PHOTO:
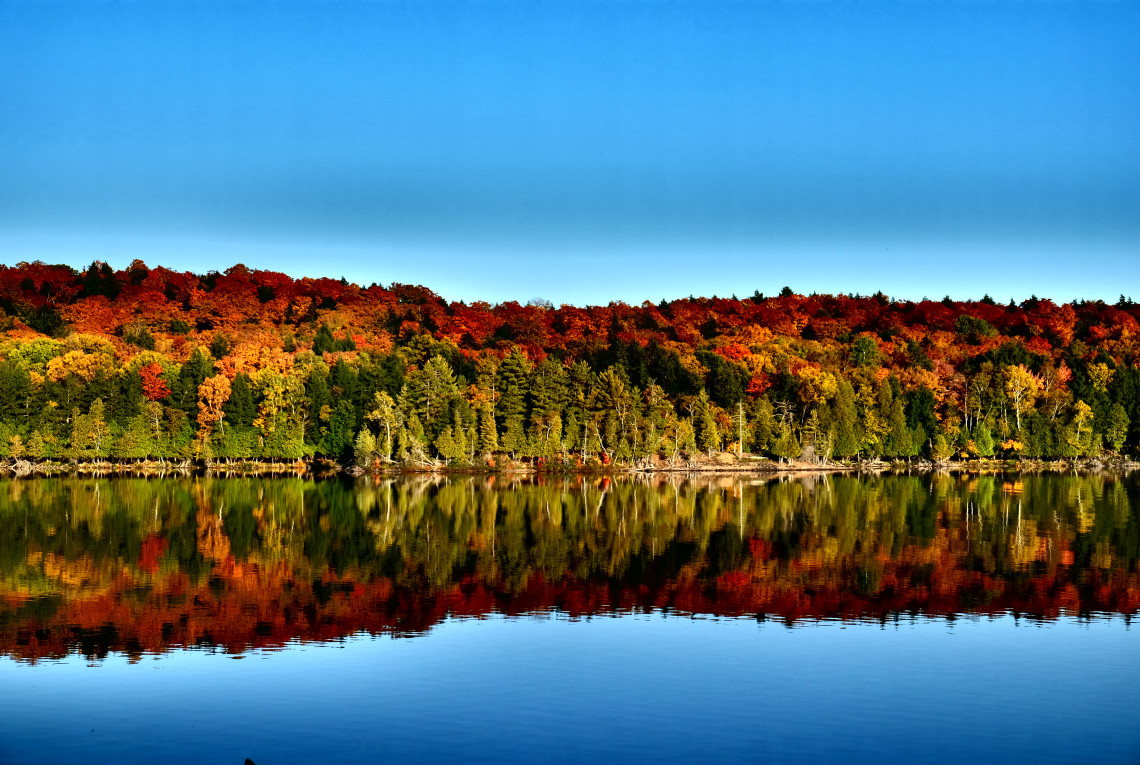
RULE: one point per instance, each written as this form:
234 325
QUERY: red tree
154 387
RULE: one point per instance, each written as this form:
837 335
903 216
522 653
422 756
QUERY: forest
152 364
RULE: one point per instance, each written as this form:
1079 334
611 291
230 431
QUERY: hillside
152 363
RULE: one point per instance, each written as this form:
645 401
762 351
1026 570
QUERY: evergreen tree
90 436
898 443
15 389
319 404
338 440
785 445
763 425
184 389
324 342
983 441
917 442
514 437
846 417
459 435
36 449
488 435
240 408
135 441
431 391
512 381
126 398
708 433
581 382
548 389
447 446
941 449
1116 429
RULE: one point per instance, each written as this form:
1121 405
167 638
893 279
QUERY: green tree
898 443
983 440
136 441
785 445
548 389
512 381
430 390
514 437
488 435
447 446
846 417
240 408
1116 429
865 352
941 450
708 432
763 424
686 437
389 419
90 436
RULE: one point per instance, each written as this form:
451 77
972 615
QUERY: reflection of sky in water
634 688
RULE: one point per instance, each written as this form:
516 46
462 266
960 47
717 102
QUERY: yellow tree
1100 376
390 418
1022 387
212 396
1082 415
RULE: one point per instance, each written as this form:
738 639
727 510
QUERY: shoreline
323 468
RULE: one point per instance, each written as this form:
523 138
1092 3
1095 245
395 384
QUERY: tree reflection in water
138 566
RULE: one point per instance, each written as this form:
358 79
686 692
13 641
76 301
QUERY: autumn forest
151 364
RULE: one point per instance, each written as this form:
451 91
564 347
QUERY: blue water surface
625 688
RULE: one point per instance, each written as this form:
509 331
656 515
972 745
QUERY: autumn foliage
325 367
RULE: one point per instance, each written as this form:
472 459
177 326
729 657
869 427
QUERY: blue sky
583 151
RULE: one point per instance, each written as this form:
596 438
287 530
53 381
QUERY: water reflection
139 566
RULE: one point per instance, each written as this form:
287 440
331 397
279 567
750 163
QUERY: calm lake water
876 619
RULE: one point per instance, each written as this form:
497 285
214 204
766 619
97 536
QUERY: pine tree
846 421
941 450
898 443
240 409
135 442
488 435
446 445
784 444
90 436
36 448
548 389
512 379
184 392
1116 429
763 425
431 389
708 433
514 437
983 441
126 398
324 342
459 435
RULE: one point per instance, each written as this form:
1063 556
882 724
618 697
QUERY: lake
932 618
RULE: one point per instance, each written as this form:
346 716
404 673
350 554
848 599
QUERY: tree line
144 364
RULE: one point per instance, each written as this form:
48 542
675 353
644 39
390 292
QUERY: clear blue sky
583 151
